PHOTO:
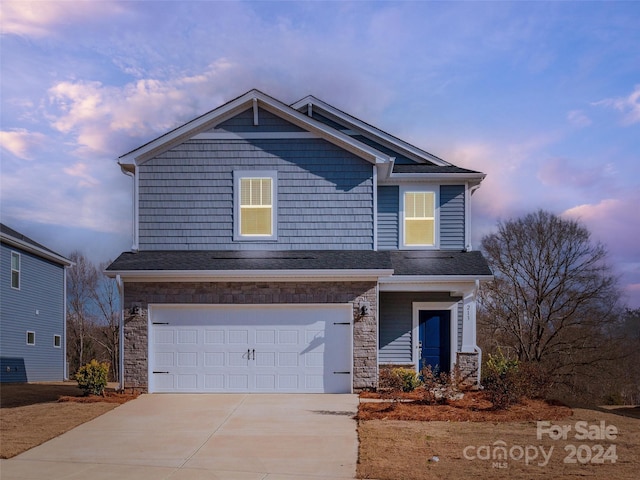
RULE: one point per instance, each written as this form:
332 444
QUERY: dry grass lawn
31 414
393 449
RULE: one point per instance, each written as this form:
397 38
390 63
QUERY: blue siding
268 122
452 217
388 217
396 322
38 306
325 195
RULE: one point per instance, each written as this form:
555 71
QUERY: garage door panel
251 348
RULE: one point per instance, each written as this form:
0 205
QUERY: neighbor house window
255 205
15 270
419 218
31 338
57 341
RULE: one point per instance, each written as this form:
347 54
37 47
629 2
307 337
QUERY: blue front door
434 337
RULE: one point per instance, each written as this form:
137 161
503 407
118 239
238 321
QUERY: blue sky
543 97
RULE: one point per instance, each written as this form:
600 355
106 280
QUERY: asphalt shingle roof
425 168
439 263
402 262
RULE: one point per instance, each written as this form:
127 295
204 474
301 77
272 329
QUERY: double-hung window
15 270
420 221
255 205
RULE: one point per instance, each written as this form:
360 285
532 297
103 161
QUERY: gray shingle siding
325 197
388 217
452 217
267 122
41 290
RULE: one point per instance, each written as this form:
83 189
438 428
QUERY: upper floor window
15 270
419 222
255 205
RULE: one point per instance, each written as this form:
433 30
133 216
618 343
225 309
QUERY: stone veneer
469 369
137 297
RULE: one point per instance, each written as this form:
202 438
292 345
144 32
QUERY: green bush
398 379
92 377
500 379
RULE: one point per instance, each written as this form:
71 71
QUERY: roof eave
27 247
379 135
248 275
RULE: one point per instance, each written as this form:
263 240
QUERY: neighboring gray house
294 248
32 310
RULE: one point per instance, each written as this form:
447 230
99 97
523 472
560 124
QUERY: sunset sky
542 97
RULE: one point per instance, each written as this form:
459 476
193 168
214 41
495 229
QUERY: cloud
629 106
42 18
98 116
578 118
613 221
21 142
561 172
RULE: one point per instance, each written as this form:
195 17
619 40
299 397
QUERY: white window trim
19 270
420 188
54 341
34 338
238 175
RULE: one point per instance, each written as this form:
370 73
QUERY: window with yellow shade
419 219
255 205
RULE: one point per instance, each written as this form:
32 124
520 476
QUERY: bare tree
554 299
92 315
82 280
106 300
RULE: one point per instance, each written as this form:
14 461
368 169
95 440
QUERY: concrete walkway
189 437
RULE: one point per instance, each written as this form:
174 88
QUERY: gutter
249 275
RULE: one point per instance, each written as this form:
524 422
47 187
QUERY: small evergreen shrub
501 380
92 377
394 380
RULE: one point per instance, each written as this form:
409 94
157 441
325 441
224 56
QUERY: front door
434 337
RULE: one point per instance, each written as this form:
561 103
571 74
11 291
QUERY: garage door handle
160 372
254 353
341 373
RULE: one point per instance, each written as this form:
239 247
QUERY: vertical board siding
41 290
267 122
325 195
452 222
388 217
396 323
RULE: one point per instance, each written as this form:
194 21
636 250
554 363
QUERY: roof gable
312 106
254 101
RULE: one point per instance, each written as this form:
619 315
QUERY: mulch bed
473 407
108 397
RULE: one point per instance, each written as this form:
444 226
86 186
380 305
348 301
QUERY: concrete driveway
188 437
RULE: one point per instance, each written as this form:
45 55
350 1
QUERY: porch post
469 322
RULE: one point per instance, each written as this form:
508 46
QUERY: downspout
65 367
476 347
120 285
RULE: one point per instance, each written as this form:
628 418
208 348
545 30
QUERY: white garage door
250 348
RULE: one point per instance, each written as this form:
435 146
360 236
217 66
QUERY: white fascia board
451 178
460 284
248 275
27 247
364 128
208 120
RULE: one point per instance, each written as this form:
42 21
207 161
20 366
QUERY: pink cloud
629 106
561 172
21 142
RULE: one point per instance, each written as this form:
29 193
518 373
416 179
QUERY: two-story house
32 310
294 248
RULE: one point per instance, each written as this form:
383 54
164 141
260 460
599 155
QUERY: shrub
92 377
500 380
394 380
440 386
